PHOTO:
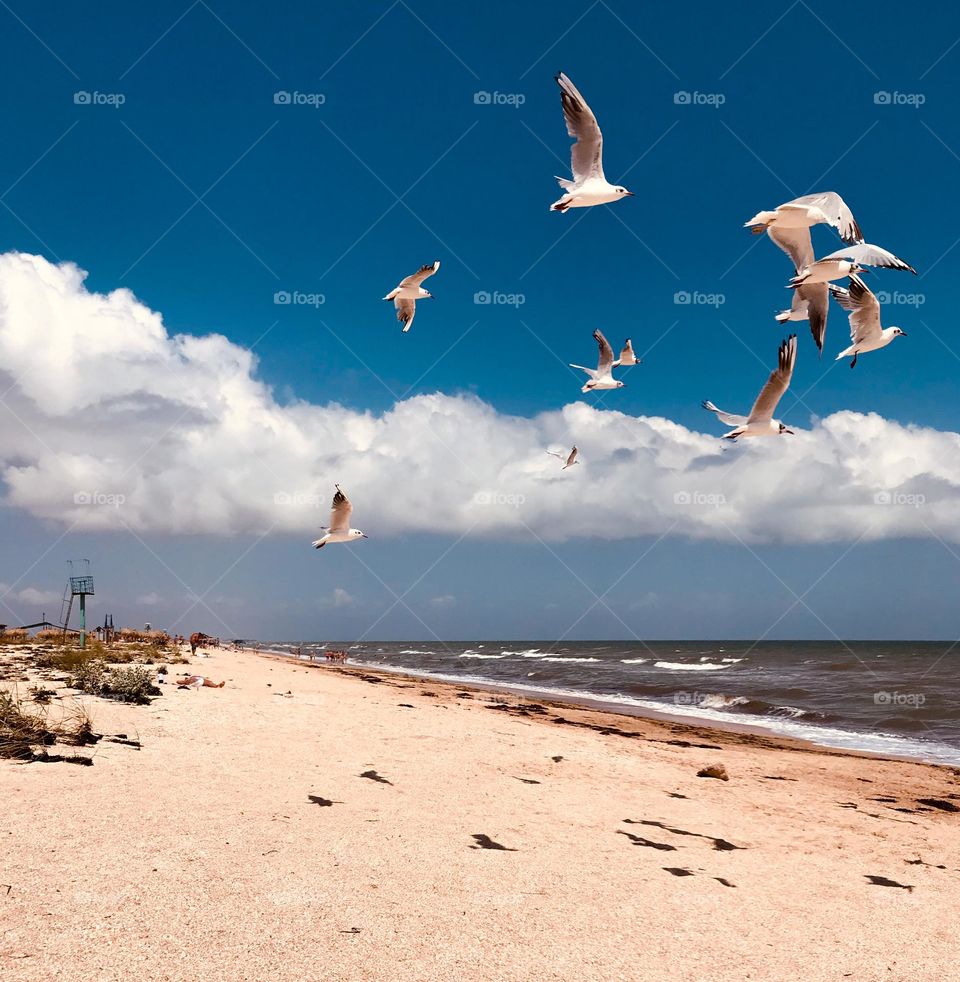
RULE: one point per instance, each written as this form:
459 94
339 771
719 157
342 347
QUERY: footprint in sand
485 842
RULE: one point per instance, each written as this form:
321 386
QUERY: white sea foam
634 661
477 654
680 666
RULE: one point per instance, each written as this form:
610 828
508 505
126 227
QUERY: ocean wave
759 707
566 658
477 654
680 666
634 661
526 653
722 702
413 651
731 661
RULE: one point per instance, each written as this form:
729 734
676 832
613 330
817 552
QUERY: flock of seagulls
788 226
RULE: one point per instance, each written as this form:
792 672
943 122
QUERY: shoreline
352 824
599 704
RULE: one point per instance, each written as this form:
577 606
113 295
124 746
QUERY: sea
894 698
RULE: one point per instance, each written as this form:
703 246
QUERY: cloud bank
108 421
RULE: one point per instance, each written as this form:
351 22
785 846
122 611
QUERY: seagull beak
903 333
365 536
629 194
785 430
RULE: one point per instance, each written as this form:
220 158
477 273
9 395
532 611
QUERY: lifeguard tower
79 584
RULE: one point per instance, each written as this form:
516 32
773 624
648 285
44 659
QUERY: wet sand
312 822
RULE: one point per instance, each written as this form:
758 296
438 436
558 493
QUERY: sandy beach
311 822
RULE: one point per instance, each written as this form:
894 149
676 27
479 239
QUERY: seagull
406 295
339 530
627 355
760 422
589 186
601 377
569 460
827 207
811 302
850 259
865 330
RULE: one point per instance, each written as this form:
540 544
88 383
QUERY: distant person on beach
197 682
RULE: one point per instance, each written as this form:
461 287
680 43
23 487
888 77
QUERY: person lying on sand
197 682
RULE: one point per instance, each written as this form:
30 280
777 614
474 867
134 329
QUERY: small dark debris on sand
726 883
714 770
944 806
639 840
374 776
883 881
485 842
322 802
528 780
678 871
405 705
557 759
777 777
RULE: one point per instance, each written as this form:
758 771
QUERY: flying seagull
811 302
760 422
865 330
589 186
827 208
601 377
627 355
569 461
339 529
406 295
849 259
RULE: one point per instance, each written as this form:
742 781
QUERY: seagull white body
846 261
811 301
568 459
339 529
826 207
409 291
760 422
602 376
589 187
866 332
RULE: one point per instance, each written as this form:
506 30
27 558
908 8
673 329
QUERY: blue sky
205 197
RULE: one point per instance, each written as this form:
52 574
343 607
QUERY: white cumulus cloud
111 421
